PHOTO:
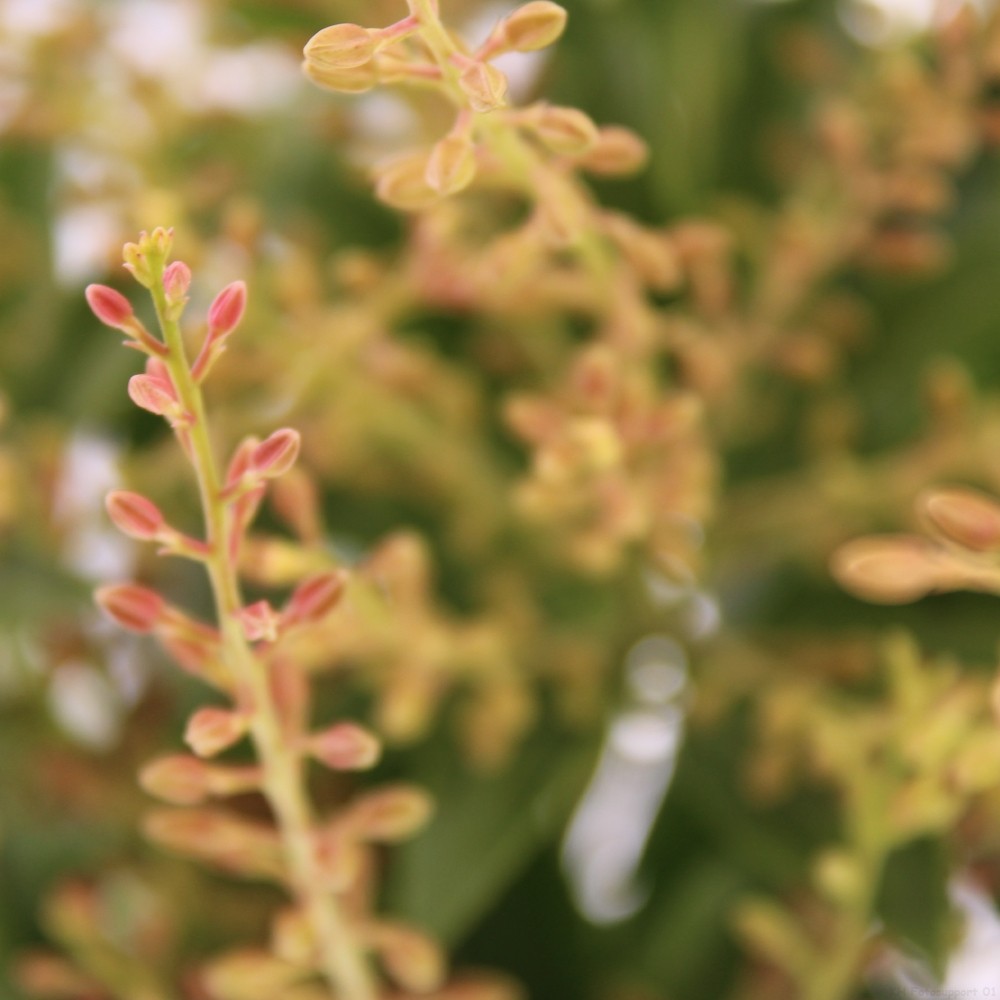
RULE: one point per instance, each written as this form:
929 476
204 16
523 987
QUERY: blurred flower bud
293 938
346 746
136 608
314 598
211 730
178 779
109 306
390 813
403 183
964 516
340 46
412 959
343 81
134 515
616 151
889 569
452 165
177 281
484 85
276 454
248 974
259 622
227 310
152 394
533 26
564 130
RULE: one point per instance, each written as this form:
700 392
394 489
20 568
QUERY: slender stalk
343 962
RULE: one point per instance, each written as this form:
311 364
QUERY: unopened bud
346 746
340 46
314 598
391 813
617 151
249 974
403 184
226 311
342 81
177 280
888 569
211 730
533 26
178 779
259 622
452 165
109 306
134 515
136 608
276 454
564 130
484 85
152 394
964 516
412 959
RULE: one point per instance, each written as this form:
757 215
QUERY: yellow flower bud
964 516
341 46
403 184
616 151
484 85
533 26
452 165
564 130
355 80
889 569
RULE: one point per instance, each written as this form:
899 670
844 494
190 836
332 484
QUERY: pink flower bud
134 515
211 730
178 779
346 746
177 280
109 306
226 311
276 454
149 393
315 598
259 621
136 608
390 814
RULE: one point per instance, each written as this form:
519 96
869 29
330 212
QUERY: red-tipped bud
211 730
346 747
314 598
109 306
226 311
177 280
134 515
149 393
178 779
276 454
390 814
136 608
259 621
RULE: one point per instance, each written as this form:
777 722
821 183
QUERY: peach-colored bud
241 462
403 183
484 85
136 608
965 516
249 974
178 779
276 454
346 746
149 393
412 959
109 306
259 621
226 311
177 280
340 46
314 598
452 165
342 81
293 937
617 151
391 813
889 569
564 130
211 730
534 26
134 515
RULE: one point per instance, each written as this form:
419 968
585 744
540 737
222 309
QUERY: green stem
343 962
